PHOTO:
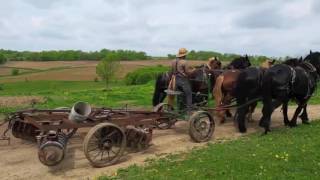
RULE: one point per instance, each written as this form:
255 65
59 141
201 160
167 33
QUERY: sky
160 27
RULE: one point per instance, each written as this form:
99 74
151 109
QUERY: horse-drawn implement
111 130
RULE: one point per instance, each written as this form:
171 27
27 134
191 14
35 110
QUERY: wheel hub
107 144
202 125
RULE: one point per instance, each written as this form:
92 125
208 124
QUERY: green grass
283 154
66 93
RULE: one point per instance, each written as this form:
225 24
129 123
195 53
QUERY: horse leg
228 113
285 113
266 114
293 122
240 115
218 97
252 107
162 96
304 116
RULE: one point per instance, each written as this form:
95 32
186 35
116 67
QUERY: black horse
241 62
248 91
248 88
284 82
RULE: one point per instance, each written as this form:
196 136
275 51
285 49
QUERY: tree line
68 55
205 55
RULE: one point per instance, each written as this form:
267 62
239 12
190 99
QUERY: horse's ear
246 56
310 51
273 61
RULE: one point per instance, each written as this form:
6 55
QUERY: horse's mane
238 62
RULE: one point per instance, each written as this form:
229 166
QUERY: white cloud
275 27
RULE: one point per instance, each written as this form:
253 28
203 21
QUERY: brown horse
223 91
163 80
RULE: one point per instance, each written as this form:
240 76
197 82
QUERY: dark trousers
183 84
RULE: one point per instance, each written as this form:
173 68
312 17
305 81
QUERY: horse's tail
217 90
159 86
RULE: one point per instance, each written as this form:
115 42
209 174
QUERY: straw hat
182 52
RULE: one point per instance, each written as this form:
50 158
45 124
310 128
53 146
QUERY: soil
19 160
73 70
20 101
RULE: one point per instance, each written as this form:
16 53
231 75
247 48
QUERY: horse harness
307 69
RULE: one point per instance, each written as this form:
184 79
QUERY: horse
283 82
248 90
241 62
228 87
198 77
225 83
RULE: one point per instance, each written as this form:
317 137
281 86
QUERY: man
181 71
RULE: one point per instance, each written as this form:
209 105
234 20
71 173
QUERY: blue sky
159 27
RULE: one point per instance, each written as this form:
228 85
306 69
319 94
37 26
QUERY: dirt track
19 160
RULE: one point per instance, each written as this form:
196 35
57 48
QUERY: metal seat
172 92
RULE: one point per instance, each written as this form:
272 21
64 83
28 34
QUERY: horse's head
241 62
293 62
214 63
314 59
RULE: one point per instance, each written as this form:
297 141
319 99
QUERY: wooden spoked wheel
104 144
201 126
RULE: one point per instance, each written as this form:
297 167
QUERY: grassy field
66 93
283 154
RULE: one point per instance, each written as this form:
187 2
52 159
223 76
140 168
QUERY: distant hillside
126 55
70 55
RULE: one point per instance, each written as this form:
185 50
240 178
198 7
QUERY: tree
107 67
3 59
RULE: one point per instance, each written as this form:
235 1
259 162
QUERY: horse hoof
262 124
228 114
306 122
266 130
243 130
293 125
286 123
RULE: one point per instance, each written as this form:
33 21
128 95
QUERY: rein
235 106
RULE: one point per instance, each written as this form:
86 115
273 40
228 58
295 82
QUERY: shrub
14 72
144 75
3 59
96 79
107 67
